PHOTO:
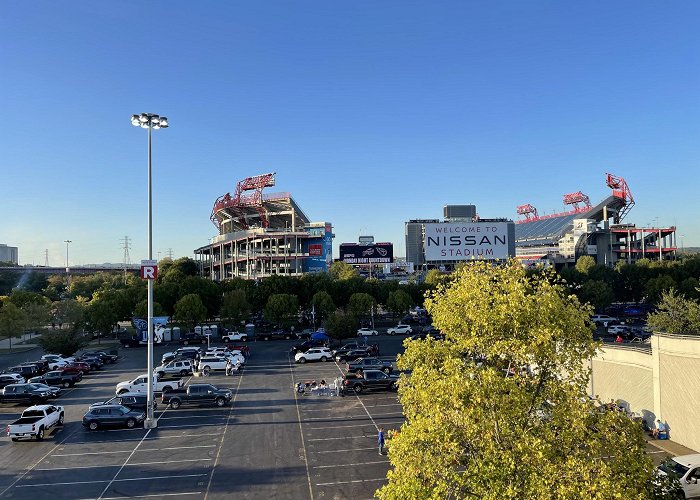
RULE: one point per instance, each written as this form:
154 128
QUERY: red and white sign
149 269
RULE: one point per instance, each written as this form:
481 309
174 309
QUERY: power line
127 258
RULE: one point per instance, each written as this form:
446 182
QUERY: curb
20 350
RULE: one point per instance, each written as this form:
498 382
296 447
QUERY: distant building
262 235
9 254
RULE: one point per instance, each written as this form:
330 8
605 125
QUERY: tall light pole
67 266
150 121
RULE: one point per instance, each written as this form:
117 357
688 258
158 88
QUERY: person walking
380 440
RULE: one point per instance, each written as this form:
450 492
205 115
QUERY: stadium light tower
150 121
67 242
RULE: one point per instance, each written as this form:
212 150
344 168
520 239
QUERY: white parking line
342 451
124 464
190 417
178 436
129 451
343 437
151 496
353 481
151 478
127 465
301 432
345 417
348 426
354 464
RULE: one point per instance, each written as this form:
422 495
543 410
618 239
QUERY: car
369 380
344 355
84 367
42 366
191 353
56 361
57 378
10 378
27 371
35 421
234 337
71 369
93 362
362 364
305 346
351 345
604 319
400 330
181 367
366 332
314 354
53 391
131 342
193 338
305 334
277 335
25 394
106 357
216 362
686 469
197 394
112 416
132 400
618 329
140 384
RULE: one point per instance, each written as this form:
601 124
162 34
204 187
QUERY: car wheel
183 373
324 359
302 360
123 391
15 439
357 388
244 339
386 370
175 404
220 402
93 426
130 423
40 434
61 418
65 385
167 388
186 342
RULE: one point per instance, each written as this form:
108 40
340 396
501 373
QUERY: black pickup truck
369 380
28 394
364 364
197 394
277 335
57 378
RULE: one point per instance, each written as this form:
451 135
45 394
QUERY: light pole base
150 423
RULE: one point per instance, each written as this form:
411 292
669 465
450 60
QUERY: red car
84 367
72 369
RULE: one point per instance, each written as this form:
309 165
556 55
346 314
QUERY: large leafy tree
281 308
63 342
361 304
236 307
342 271
676 314
399 302
323 305
499 410
190 310
13 321
341 326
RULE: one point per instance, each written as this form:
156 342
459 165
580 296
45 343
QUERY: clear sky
370 112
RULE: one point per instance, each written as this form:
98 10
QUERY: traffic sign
149 269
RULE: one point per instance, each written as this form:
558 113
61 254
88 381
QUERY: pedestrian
380 440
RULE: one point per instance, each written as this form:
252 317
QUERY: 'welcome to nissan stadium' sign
466 241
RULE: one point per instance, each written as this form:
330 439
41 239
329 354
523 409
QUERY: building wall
9 254
663 382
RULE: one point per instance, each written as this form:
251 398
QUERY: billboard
141 327
466 241
379 253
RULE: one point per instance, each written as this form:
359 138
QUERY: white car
400 330
181 367
56 361
140 384
617 329
687 469
314 354
366 332
234 337
234 356
603 319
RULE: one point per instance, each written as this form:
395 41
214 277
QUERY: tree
281 308
585 263
323 305
141 309
63 342
597 293
341 326
361 304
399 302
190 310
499 410
38 314
342 271
655 287
236 307
13 321
676 314
433 277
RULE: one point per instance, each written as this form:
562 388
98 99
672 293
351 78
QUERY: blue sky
370 112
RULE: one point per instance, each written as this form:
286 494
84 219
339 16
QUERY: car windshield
673 467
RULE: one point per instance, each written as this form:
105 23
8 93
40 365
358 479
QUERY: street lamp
67 267
150 121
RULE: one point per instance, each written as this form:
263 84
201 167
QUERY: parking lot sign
149 269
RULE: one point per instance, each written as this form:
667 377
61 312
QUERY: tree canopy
500 408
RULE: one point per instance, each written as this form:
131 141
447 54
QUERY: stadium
596 230
262 235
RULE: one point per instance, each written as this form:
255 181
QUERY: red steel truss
234 204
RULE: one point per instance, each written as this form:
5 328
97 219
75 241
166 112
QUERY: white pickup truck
35 421
140 384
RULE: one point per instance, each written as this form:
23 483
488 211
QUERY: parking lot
270 443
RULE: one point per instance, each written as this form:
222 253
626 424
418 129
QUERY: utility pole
170 253
127 259
67 242
46 257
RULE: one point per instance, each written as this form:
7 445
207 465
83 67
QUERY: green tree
499 410
597 293
236 307
341 326
342 271
655 287
585 263
141 309
38 315
69 312
361 304
433 277
676 314
20 298
323 305
63 342
399 302
190 310
13 321
281 309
